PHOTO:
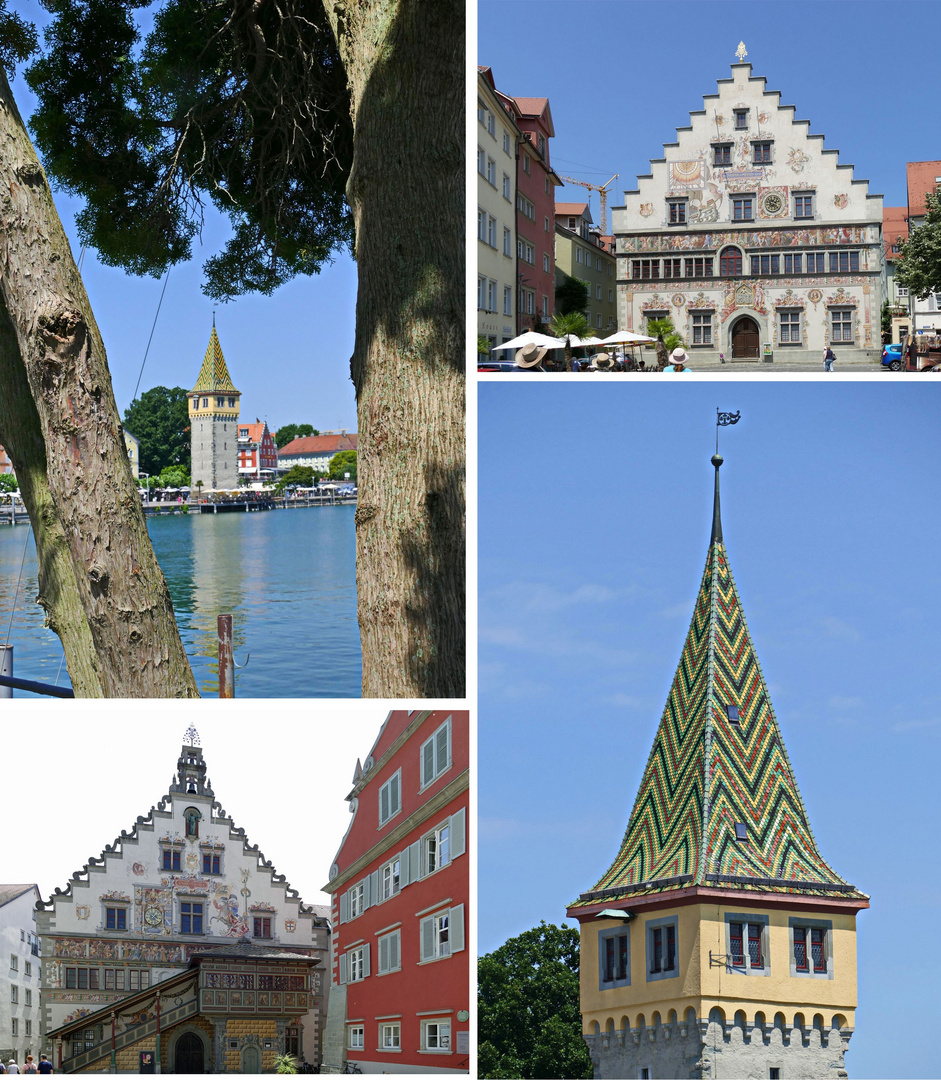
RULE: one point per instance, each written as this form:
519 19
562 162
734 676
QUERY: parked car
497 365
892 357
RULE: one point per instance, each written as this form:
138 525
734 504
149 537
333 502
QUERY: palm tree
667 337
572 323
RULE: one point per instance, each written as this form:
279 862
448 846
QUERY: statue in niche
192 816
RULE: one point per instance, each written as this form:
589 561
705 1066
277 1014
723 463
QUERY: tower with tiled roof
719 942
214 417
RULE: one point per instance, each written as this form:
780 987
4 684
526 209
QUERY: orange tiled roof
894 225
576 208
319 444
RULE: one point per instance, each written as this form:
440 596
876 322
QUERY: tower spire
716 516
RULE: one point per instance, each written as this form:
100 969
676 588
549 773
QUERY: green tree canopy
571 294
8 483
919 263
297 476
342 463
242 105
529 1018
293 431
567 325
173 476
159 419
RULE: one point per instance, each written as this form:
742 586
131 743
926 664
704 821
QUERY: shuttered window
442 934
390 949
390 797
436 754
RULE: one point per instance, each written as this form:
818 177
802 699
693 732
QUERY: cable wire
151 338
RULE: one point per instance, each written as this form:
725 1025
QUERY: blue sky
288 353
595 508
622 75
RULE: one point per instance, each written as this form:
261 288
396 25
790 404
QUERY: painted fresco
686 175
153 910
803 237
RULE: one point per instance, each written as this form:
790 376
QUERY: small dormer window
741 831
732 712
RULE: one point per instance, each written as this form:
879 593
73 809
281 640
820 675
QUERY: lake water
288 577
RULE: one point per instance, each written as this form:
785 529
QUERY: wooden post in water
226 658
6 668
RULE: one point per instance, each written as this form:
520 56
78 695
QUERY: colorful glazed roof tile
710 774
214 375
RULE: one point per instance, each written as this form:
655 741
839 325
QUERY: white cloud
838 629
915 725
838 702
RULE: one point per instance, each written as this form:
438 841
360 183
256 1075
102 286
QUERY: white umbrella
541 341
625 337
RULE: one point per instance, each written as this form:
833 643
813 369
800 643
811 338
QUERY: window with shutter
390 802
436 754
389 949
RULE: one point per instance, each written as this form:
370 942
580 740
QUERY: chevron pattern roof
707 773
214 375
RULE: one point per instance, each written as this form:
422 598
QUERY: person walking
828 358
12 1066
30 1066
45 1065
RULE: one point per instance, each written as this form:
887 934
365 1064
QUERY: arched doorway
188 1056
251 1060
745 335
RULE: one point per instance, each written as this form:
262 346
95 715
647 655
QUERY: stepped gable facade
214 416
719 941
180 943
752 237
400 888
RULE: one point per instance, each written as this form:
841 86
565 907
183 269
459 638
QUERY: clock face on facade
773 203
153 917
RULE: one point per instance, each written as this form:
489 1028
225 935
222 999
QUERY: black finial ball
717 460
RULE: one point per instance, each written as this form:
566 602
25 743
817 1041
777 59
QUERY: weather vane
191 736
741 52
723 419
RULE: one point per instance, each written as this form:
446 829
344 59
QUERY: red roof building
924 177
315 450
400 888
258 453
6 466
535 210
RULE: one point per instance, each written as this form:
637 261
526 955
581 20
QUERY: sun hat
529 356
678 356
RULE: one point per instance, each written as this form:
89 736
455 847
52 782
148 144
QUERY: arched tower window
192 817
730 262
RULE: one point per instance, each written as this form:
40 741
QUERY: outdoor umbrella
625 337
541 341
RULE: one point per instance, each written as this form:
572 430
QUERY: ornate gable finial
192 736
741 52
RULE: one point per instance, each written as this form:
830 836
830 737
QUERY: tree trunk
404 61
99 582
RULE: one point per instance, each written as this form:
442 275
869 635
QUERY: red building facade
257 450
535 211
400 885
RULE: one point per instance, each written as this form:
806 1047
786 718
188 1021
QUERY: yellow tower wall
702 986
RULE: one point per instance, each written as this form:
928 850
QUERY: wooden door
189 1054
745 340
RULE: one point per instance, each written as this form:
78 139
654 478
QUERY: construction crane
602 191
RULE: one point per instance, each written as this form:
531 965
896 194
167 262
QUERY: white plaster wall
17 918
491 262
74 933
844 215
